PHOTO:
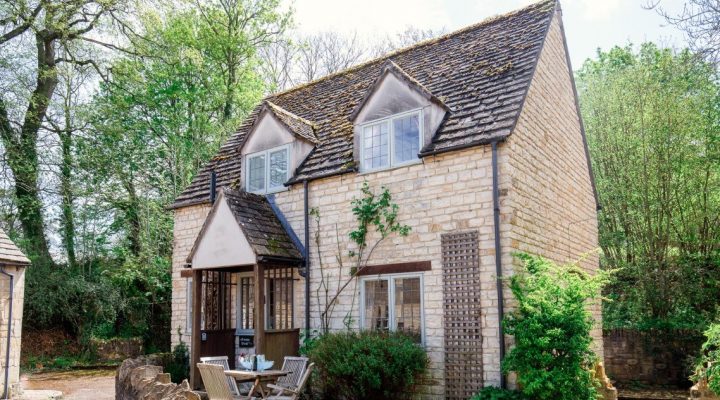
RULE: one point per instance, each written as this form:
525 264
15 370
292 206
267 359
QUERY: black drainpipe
213 186
498 259
9 333
306 189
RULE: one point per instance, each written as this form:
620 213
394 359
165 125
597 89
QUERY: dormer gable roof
392 68
298 126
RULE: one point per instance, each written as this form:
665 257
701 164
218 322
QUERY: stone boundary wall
142 378
650 357
117 348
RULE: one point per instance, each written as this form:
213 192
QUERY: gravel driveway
75 385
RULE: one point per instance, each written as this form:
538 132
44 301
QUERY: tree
651 117
700 20
303 58
49 26
551 326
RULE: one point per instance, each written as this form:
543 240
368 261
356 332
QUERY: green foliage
186 79
376 211
493 393
551 326
179 365
366 365
709 363
652 121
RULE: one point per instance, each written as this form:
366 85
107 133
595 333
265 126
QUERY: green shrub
179 365
709 364
366 365
493 393
551 325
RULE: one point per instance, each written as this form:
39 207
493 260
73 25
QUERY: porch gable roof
254 228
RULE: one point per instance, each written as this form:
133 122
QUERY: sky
589 24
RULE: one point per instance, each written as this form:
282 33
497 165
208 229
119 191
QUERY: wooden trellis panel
463 321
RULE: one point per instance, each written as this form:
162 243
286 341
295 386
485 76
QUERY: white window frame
392 323
391 140
266 153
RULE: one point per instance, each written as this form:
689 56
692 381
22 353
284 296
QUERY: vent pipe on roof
213 189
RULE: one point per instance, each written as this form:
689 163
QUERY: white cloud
369 16
599 9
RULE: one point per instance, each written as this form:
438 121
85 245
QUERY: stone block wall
18 298
444 193
650 358
188 222
546 172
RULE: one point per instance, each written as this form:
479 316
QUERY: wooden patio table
258 377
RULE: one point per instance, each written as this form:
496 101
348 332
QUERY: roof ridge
422 43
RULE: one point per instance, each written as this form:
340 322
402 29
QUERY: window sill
394 167
265 193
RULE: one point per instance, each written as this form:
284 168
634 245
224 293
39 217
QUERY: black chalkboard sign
246 341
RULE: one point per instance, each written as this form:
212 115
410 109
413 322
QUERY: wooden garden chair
214 379
223 362
284 393
295 367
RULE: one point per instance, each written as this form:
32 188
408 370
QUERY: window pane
406 132
407 307
256 173
376 305
246 316
278 168
279 298
376 146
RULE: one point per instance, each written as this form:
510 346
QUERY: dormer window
267 171
391 142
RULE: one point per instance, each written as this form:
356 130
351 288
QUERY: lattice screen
461 299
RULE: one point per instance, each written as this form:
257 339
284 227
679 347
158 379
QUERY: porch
243 268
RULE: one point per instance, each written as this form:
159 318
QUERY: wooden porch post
259 309
195 342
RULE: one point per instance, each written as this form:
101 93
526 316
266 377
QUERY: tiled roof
261 226
10 253
481 73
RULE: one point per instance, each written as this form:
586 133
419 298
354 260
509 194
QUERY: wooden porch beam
195 380
259 272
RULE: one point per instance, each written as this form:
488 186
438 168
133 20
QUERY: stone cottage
12 287
478 137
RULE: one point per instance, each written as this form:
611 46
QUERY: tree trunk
21 149
66 194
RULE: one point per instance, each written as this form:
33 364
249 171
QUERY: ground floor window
393 303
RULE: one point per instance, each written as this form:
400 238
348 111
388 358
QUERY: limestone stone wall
188 222
445 193
544 168
18 297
